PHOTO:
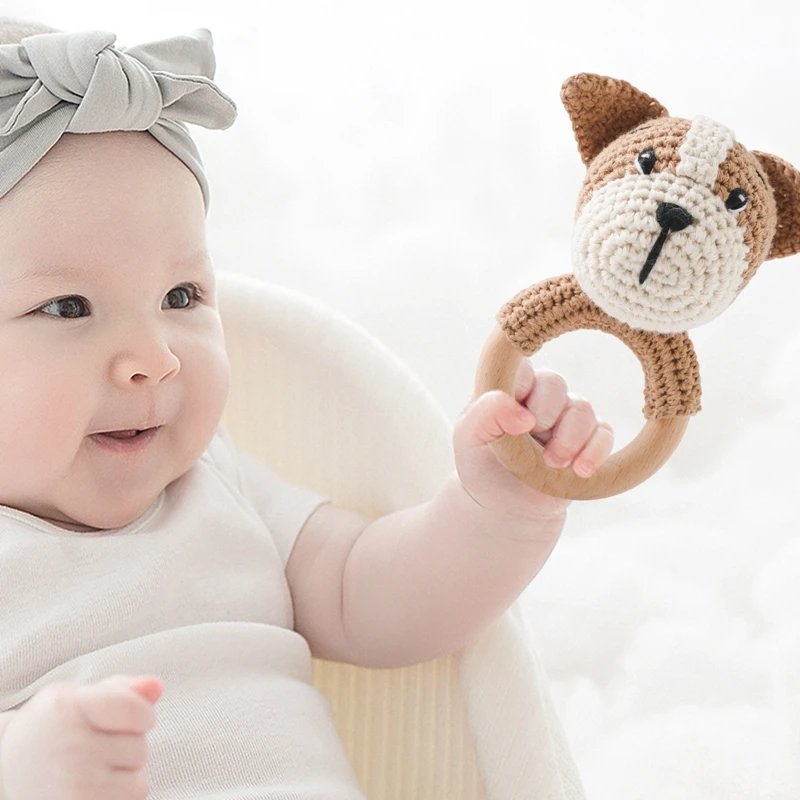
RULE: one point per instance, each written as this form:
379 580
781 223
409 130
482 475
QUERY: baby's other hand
81 742
564 423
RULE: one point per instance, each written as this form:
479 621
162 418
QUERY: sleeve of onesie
283 506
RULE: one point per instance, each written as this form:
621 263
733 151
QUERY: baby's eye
182 296
66 307
645 161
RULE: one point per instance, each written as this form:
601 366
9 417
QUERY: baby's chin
99 518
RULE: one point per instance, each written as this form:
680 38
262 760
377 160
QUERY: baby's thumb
147 687
109 706
489 417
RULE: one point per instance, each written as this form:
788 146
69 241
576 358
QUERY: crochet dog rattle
673 219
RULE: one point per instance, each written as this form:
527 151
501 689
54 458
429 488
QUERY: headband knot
54 83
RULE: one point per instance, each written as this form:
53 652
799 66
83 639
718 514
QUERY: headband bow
54 83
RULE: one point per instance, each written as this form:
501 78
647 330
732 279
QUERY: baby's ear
602 109
785 182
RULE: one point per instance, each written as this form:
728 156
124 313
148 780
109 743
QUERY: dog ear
785 182
602 109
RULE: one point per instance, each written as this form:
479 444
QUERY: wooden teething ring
672 388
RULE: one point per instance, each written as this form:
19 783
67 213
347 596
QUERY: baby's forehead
79 150
113 161
109 192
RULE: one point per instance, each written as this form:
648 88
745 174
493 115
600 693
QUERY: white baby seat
326 405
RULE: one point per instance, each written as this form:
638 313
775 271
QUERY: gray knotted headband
54 83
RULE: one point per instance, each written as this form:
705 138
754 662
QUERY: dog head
674 216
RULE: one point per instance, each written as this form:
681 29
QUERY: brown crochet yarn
558 305
759 220
785 182
602 108
617 159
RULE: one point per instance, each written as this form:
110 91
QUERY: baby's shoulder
283 506
239 468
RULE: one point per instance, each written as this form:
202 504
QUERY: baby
161 591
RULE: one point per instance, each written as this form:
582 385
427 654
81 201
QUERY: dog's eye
737 200
645 161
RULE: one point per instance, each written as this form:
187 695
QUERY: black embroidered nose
672 217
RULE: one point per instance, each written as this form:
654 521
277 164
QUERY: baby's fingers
545 394
491 416
116 706
572 433
596 451
124 751
148 688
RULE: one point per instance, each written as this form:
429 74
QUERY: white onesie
193 592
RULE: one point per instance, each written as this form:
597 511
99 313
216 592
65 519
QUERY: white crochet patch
705 147
698 272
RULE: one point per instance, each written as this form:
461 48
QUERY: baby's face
101 246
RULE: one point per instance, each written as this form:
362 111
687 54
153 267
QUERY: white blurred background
410 164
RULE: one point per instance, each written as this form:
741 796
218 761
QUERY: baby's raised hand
80 742
565 424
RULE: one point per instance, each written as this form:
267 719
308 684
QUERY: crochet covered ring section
672 387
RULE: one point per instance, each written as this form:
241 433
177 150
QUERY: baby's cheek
204 362
43 417
205 374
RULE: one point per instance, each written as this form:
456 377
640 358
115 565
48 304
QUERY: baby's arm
423 581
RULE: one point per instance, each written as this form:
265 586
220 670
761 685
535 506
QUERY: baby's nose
149 359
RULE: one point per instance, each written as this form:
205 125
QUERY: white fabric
327 405
193 592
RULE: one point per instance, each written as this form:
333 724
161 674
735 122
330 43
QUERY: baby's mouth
130 440
129 434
